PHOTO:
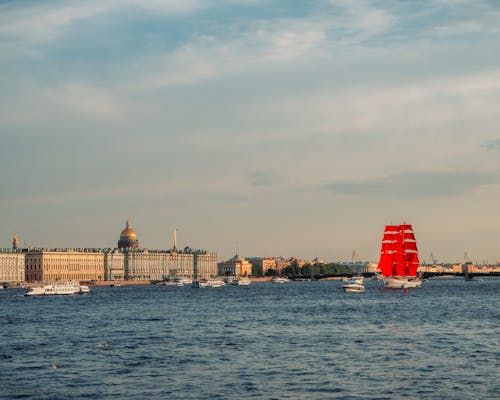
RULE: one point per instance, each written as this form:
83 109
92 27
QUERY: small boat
213 282
279 279
244 281
84 289
182 281
353 286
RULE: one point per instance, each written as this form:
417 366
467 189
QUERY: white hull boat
353 288
58 288
241 282
279 279
208 283
354 285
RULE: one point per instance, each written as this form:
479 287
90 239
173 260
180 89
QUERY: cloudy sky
271 127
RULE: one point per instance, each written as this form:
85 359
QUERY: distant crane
432 259
355 258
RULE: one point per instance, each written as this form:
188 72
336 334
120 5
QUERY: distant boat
213 282
58 288
354 285
182 281
279 279
243 281
399 258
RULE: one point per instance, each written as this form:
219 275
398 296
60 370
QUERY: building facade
64 265
114 265
205 264
12 266
236 266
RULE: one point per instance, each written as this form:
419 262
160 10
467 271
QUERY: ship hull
401 282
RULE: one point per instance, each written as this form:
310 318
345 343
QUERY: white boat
353 286
84 289
354 279
182 281
244 281
279 279
35 291
213 282
58 288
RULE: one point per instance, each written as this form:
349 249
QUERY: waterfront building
114 265
148 264
11 266
263 264
133 263
64 265
282 263
236 266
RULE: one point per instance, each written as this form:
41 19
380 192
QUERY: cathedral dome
128 238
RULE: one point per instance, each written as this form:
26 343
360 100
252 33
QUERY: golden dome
128 238
128 233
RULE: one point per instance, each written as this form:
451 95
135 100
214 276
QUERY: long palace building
125 262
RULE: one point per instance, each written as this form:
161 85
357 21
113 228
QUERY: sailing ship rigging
399 257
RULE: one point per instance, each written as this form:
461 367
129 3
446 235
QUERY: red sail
399 253
410 246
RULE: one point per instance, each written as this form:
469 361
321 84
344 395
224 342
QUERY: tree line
307 270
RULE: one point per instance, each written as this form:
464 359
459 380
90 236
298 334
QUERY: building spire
127 224
174 249
15 242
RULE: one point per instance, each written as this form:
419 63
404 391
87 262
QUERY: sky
263 127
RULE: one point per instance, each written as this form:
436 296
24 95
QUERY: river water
300 340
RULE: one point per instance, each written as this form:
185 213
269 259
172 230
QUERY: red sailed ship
399 257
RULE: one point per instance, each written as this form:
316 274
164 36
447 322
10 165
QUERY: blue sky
277 128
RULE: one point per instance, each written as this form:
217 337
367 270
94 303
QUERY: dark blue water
301 340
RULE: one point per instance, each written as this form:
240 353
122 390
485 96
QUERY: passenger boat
58 288
399 258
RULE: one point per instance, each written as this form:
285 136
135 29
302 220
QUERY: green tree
257 270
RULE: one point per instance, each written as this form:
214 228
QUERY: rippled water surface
301 340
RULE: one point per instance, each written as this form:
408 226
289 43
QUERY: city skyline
263 127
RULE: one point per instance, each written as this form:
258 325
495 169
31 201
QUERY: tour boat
399 257
58 288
